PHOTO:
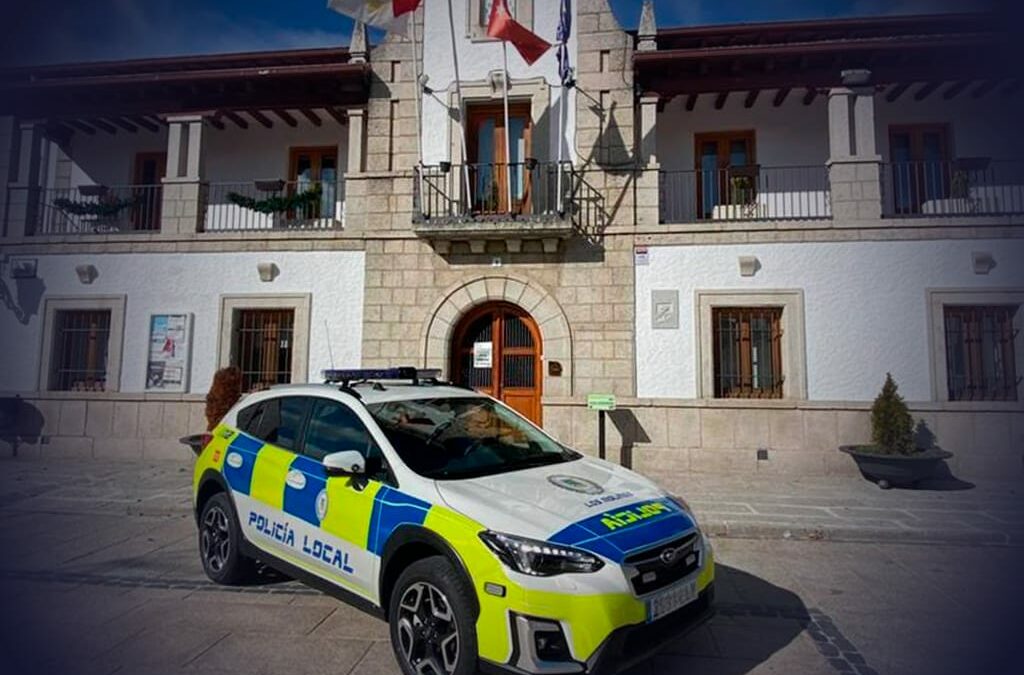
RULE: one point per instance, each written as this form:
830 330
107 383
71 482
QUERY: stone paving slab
761 507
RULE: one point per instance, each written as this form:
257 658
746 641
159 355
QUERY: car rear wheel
432 622
219 543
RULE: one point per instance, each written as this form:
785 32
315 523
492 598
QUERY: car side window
281 421
249 418
334 427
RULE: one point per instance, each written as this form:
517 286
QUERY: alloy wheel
427 632
215 539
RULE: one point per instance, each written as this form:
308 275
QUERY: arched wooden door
496 349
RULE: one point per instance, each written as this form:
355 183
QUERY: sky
51 31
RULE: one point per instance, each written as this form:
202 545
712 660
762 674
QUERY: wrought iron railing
966 186
529 189
89 209
745 193
273 205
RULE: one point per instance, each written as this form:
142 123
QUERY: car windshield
453 438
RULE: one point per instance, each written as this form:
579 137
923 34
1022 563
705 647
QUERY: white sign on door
483 354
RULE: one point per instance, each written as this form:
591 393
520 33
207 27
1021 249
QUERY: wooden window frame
475 112
971 316
299 303
744 317
724 187
115 339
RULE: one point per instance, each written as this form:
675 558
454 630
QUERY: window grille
81 342
263 344
747 352
980 359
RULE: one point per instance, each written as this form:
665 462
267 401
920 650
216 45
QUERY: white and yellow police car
485 543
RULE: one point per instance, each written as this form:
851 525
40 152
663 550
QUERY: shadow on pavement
754 620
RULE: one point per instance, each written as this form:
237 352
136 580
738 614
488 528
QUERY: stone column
648 202
183 187
855 168
24 175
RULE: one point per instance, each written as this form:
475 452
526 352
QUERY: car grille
649 571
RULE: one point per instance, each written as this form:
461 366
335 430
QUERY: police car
484 542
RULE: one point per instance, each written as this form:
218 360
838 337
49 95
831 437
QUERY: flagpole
508 128
561 143
458 100
418 89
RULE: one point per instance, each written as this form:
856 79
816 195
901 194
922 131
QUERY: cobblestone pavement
99 574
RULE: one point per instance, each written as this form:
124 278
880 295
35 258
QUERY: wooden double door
496 350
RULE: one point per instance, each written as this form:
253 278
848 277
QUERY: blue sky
71 30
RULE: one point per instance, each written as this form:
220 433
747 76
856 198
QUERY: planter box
888 470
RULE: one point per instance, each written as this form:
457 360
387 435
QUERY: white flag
387 15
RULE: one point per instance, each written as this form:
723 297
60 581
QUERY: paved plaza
99 574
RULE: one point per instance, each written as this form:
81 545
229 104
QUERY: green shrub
892 427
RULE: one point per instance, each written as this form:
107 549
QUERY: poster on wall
170 348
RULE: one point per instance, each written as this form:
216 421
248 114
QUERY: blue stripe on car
240 478
594 536
302 503
392 508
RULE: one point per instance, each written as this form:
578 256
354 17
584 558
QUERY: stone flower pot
889 470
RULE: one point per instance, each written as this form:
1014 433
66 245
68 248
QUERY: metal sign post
602 403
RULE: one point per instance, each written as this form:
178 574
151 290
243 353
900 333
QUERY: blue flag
562 37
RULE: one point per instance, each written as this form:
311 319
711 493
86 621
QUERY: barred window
81 344
262 341
747 352
980 360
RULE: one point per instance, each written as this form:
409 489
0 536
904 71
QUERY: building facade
737 230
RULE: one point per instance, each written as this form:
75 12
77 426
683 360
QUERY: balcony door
485 142
715 154
920 165
147 189
314 170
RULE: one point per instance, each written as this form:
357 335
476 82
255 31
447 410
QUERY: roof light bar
404 373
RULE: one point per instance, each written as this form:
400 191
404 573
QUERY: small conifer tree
224 393
892 427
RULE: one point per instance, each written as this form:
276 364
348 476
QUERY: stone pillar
855 168
183 187
356 140
24 175
648 201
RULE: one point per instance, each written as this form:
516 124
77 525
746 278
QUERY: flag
387 15
501 25
562 36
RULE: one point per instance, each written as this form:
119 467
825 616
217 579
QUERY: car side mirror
346 463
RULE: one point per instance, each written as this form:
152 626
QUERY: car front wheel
432 627
219 543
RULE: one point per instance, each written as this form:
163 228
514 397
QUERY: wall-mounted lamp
982 262
444 166
268 271
86 273
749 265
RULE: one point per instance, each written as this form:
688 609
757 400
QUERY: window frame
115 304
476 25
793 343
937 300
300 304
746 371
385 475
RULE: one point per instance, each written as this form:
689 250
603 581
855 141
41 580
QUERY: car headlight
539 558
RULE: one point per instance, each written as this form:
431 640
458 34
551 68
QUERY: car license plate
669 601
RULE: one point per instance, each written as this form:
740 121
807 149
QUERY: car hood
586 503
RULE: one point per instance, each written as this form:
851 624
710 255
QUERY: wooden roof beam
216 122
780 96
339 115
691 101
896 92
261 118
810 95
926 91
286 117
954 90
105 126
311 116
751 98
125 124
236 118
721 99
145 123
83 127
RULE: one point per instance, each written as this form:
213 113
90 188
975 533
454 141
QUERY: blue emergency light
344 376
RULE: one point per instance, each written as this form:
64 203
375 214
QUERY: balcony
745 193
273 205
90 209
975 186
471 202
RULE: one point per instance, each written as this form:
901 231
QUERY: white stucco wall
168 283
478 58
865 308
793 134
108 159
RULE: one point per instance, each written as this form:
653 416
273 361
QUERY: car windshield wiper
538 460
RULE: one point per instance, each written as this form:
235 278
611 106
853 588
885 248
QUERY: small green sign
601 401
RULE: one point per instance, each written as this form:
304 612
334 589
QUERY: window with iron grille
262 345
81 344
747 352
980 359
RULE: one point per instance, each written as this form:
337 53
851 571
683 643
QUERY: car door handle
295 479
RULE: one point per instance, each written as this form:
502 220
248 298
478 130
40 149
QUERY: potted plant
224 393
898 454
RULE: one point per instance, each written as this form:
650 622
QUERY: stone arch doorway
496 348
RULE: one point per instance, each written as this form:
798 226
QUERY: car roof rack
416 376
